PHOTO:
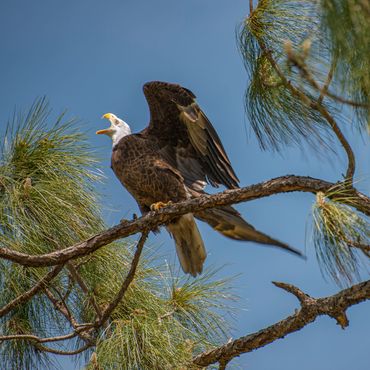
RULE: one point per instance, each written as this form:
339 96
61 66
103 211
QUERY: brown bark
334 306
152 220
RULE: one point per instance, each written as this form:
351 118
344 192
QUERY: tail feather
228 221
189 244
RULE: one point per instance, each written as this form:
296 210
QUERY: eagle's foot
158 205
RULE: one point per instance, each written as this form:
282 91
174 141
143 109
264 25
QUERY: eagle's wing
185 135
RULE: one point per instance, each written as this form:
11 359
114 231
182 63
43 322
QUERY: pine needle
336 228
347 24
48 201
277 116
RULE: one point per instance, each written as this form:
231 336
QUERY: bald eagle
172 160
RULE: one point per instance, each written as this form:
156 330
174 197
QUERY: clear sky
92 57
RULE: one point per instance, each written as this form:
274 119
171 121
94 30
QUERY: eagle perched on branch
172 160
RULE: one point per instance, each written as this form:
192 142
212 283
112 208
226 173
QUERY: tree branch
250 7
63 309
32 337
130 276
153 220
325 88
24 297
317 105
78 278
63 353
334 306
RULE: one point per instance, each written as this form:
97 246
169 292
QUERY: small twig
325 88
334 306
250 7
364 247
350 155
78 278
168 314
324 91
24 297
312 104
130 276
298 62
69 288
64 310
302 297
294 59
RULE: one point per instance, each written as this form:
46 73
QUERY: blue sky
92 57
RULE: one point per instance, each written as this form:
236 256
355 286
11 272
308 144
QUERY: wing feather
178 123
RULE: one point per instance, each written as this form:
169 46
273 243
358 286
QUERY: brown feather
177 121
227 221
189 244
171 160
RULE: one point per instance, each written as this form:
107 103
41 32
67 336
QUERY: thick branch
334 306
152 220
26 296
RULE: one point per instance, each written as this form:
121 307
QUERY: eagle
172 160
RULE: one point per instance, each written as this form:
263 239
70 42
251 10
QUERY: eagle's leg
158 205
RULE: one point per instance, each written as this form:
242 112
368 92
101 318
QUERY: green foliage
347 23
48 201
331 39
164 328
277 116
309 66
338 229
46 194
26 319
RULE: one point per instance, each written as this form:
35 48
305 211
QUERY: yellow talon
158 205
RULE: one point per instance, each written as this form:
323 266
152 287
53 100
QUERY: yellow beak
107 116
105 131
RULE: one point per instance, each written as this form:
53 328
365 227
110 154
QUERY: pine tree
48 202
70 286
308 64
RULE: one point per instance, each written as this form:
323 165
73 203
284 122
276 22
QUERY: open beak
105 131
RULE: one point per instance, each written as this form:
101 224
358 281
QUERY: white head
117 130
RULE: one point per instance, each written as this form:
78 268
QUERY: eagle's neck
122 131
